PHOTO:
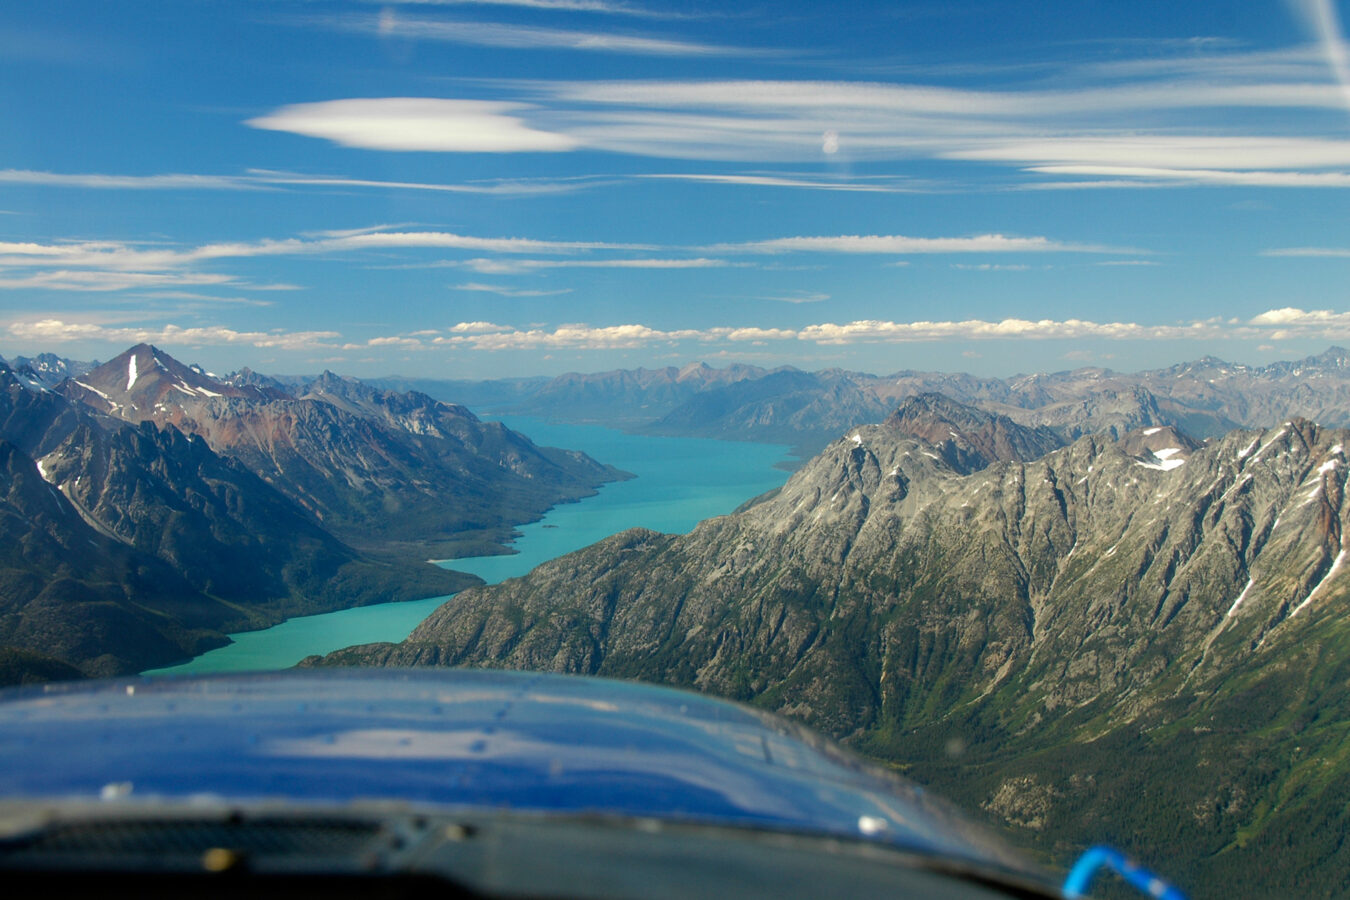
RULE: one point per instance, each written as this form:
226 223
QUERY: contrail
1325 21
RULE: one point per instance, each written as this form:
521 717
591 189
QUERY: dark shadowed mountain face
1010 635
134 546
384 471
75 601
216 507
229 533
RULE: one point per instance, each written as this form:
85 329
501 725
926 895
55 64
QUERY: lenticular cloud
416 123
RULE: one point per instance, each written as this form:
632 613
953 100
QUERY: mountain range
191 506
1142 624
807 410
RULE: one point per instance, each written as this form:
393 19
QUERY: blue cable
1076 885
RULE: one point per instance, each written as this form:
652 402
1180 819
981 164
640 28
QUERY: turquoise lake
680 481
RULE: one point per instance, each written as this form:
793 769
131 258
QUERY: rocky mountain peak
21 376
968 438
145 383
50 368
1158 447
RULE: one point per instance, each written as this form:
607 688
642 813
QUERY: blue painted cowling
464 740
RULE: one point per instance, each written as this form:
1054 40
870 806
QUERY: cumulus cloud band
1274 324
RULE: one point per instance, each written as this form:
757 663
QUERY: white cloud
573 337
200 300
896 185
89 266
516 266
499 187
135 265
1274 324
420 239
1134 176
84 280
416 123
477 328
176 181
1107 124
57 331
755 335
872 331
256 179
1325 23
1124 154
507 292
595 6
846 99
1333 252
391 24
633 336
1112 115
798 297
1293 316
406 343
903 244
1177 112
1291 322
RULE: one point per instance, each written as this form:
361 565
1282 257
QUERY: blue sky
509 187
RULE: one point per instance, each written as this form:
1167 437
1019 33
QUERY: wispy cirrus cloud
194 300
884 185
171 181
389 23
96 281
847 99
120 265
477 287
1093 122
485 266
1176 153
904 244
117 265
797 297
1327 252
1147 176
1156 122
256 179
582 6
1178 121
124 256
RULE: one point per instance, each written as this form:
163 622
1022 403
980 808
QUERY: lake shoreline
678 482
